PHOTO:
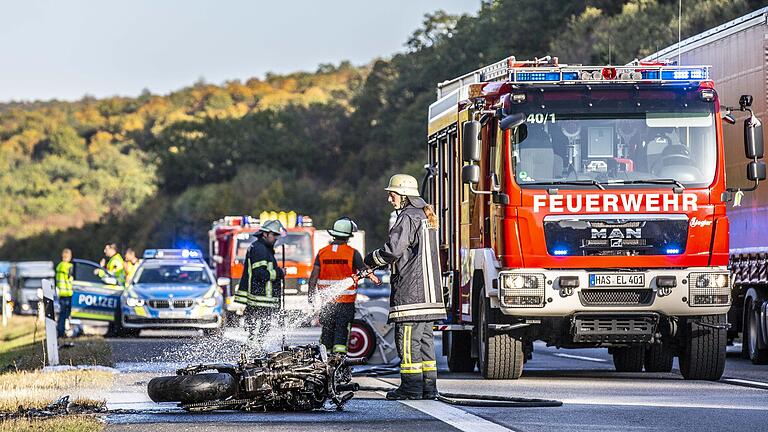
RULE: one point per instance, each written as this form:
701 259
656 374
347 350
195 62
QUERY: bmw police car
172 288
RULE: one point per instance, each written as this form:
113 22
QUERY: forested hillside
155 170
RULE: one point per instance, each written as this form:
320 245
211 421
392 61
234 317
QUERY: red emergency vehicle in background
230 237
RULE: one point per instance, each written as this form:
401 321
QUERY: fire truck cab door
94 297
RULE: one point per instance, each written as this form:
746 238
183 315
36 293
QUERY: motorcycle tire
192 388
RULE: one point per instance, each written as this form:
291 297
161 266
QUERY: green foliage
154 171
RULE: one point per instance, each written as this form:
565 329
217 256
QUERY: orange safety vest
335 265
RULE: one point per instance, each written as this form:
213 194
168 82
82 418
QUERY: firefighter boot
430 380
411 387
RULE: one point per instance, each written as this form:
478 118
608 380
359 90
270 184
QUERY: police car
172 288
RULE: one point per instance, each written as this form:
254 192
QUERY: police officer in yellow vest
115 264
64 277
261 286
130 265
333 263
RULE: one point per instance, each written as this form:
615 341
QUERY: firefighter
64 278
130 265
114 264
261 285
416 300
333 263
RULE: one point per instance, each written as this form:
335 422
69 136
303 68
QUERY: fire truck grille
635 328
616 297
166 304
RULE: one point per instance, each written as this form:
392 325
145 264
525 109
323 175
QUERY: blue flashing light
570 76
150 253
537 76
684 74
673 251
560 252
650 75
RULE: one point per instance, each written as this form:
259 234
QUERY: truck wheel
501 356
459 351
362 340
629 359
703 356
752 332
192 388
658 358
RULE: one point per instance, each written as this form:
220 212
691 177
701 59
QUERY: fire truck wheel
629 359
752 334
362 340
192 388
459 351
703 354
500 356
658 358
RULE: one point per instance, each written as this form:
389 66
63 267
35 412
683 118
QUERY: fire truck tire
459 351
703 352
658 358
752 334
192 388
501 356
629 359
362 341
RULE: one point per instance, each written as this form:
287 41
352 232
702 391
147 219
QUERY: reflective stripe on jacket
261 284
64 279
336 265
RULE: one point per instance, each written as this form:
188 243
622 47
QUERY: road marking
577 357
746 383
455 417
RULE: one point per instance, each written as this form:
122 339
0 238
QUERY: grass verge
57 424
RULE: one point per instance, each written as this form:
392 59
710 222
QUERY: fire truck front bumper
557 293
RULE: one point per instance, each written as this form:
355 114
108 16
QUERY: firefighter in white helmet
261 286
416 300
335 263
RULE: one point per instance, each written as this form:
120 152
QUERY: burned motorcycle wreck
299 378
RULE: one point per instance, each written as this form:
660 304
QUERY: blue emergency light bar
173 253
608 74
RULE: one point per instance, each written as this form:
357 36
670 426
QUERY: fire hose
482 400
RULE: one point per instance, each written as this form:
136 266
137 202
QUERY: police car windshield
616 138
298 247
156 273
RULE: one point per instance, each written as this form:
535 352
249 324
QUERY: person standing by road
114 264
130 265
261 286
416 300
64 278
334 263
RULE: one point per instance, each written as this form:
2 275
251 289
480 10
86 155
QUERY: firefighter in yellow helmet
417 299
261 286
334 263
64 278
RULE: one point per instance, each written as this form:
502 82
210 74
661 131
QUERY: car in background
367 290
172 288
27 284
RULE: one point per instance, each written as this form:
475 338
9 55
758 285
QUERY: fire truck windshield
607 140
298 247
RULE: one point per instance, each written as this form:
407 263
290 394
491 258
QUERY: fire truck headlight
709 289
134 302
522 290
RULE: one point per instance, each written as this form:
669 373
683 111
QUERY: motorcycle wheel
192 388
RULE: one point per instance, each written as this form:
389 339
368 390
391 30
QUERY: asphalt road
595 398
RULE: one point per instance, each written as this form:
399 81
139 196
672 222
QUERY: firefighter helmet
343 228
272 226
403 184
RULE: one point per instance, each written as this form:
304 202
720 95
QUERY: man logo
616 242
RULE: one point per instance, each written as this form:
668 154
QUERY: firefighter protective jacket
333 263
261 284
412 252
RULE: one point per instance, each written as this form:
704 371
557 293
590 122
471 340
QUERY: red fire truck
584 206
230 237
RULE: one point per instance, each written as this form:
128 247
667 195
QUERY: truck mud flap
614 328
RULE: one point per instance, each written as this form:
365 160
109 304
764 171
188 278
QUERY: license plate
617 280
172 314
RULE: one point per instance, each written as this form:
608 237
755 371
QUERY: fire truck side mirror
470 174
512 121
756 171
471 137
753 138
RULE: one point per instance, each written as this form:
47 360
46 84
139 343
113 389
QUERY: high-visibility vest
335 265
130 270
64 279
115 267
